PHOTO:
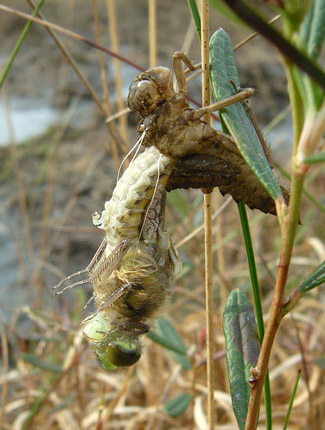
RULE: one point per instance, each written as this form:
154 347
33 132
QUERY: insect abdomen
124 213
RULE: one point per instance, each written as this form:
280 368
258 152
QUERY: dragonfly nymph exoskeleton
180 132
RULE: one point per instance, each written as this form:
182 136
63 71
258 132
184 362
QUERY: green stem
257 303
19 43
296 104
252 269
288 236
293 395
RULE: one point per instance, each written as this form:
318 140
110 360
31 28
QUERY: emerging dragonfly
135 268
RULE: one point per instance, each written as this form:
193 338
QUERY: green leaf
292 397
41 363
242 349
314 279
305 27
223 76
167 331
178 405
163 342
312 31
315 158
196 16
19 43
312 35
168 337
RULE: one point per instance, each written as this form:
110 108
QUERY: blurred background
59 161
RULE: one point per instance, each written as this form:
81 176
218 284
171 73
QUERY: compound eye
143 97
119 353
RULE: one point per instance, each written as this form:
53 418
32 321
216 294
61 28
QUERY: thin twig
71 34
152 33
201 227
112 129
113 28
206 100
103 73
251 36
106 102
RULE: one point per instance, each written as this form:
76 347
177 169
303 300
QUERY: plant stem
288 236
206 99
209 306
257 303
295 102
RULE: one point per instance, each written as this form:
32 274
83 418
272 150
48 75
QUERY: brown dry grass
56 183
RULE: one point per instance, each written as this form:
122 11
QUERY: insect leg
115 295
89 301
76 284
93 261
252 117
105 267
178 59
98 255
239 97
110 263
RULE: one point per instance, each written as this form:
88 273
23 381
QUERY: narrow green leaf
314 279
178 405
167 331
196 16
177 353
304 31
19 43
242 349
164 342
292 397
223 76
315 158
32 359
312 31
